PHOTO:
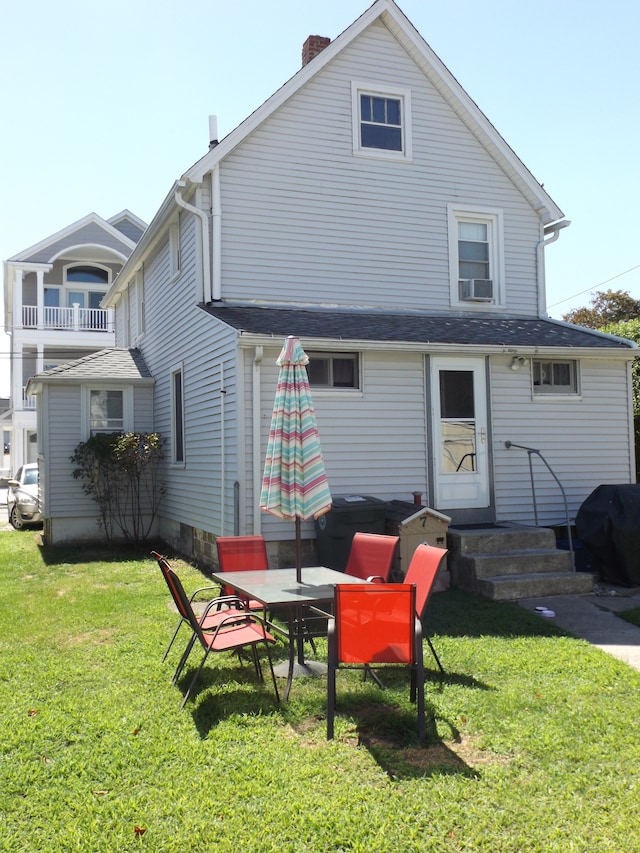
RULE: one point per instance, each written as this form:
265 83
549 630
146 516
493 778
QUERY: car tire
15 519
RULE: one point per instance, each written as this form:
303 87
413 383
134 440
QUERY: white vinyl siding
373 443
206 350
384 224
586 440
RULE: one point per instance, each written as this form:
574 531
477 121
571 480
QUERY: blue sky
104 105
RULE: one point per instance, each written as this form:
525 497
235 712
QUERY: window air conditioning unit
476 289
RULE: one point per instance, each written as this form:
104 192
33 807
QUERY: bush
120 473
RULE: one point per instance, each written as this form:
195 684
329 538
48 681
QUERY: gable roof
45 250
438 74
107 366
399 25
428 331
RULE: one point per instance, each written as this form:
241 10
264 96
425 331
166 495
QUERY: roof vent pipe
213 132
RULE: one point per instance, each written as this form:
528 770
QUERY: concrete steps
512 562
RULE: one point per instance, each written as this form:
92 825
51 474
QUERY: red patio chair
242 553
375 625
371 556
422 572
225 605
234 632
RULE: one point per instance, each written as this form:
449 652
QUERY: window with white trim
106 410
334 370
177 416
554 376
476 257
381 121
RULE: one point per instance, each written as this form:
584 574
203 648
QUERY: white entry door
459 423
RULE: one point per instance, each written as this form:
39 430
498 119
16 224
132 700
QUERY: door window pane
457 425
456 394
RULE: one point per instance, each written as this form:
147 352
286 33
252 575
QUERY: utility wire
589 289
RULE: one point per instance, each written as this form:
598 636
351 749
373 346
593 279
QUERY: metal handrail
530 452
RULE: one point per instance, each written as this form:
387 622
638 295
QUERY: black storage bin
608 524
348 515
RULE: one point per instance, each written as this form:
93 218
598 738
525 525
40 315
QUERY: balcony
73 319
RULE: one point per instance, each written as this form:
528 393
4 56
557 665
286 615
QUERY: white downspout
216 235
255 407
206 254
553 229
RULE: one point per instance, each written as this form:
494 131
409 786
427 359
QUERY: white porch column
17 401
17 299
40 279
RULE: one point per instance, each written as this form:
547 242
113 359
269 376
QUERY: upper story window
554 377
475 257
381 121
334 370
91 275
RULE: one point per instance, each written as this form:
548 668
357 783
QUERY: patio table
278 588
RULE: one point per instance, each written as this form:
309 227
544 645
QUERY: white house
371 209
52 294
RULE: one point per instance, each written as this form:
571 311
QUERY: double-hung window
475 257
106 411
381 121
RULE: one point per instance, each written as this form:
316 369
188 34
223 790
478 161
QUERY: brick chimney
312 47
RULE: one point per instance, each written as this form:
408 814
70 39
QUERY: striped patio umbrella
294 485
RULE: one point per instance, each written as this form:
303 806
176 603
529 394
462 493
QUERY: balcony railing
28 400
75 319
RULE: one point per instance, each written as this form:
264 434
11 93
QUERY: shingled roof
120 365
411 328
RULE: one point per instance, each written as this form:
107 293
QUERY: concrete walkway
592 617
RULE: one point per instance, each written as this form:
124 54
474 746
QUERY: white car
23 506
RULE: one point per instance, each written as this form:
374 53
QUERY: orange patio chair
422 572
371 556
235 631
375 625
223 603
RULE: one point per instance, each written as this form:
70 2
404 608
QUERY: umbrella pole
298 552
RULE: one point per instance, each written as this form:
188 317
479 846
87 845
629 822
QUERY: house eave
249 340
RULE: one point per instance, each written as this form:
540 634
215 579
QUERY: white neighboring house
371 209
52 296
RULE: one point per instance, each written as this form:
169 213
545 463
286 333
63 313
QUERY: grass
533 739
632 615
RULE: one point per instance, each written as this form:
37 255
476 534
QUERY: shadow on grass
456 613
99 552
389 733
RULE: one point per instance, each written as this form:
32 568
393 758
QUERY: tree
120 472
630 329
609 306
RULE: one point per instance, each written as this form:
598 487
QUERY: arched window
90 275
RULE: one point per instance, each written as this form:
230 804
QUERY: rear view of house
372 210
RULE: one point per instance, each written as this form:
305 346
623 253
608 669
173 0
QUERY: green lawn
534 741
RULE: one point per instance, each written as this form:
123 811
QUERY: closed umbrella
294 485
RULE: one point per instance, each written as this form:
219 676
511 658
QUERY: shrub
120 472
